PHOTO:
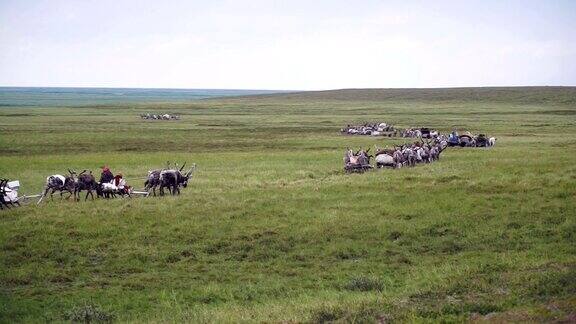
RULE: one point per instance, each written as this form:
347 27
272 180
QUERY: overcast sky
297 44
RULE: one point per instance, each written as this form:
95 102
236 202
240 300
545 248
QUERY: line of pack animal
406 155
109 185
466 139
149 116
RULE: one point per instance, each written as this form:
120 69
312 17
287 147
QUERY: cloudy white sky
298 44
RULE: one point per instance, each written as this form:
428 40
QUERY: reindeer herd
412 154
384 129
406 155
373 129
149 116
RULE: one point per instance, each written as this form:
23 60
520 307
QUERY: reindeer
364 157
106 190
465 141
60 183
86 181
173 179
384 158
492 141
435 152
441 141
409 156
153 181
398 157
357 162
425 152
117 186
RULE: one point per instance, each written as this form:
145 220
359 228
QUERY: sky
287 45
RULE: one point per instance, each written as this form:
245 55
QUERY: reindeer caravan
373 129
400 156
112 186
423 132
469 140
74 183
149 116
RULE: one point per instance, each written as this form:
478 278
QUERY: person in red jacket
106 175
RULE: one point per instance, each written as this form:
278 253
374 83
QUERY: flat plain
271 228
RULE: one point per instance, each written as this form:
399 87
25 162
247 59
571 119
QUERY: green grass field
271 229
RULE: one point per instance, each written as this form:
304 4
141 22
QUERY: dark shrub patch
364 284
188 254
438 230
216 248
210 298
363 313
394 235
514 225
60 278
555 284
451 247
468 308
172 258
327 314
89 314
349 253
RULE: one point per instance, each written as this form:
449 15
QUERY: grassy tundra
271 229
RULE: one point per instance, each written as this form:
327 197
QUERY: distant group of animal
423 132
384 129
405 155
373 129
149 116
414 153
387 130
469 140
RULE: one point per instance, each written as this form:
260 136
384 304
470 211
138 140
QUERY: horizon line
298 90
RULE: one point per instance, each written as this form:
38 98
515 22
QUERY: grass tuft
364 283
89 314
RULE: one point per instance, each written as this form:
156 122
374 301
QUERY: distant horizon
150 88
87 96
293 90
81 96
